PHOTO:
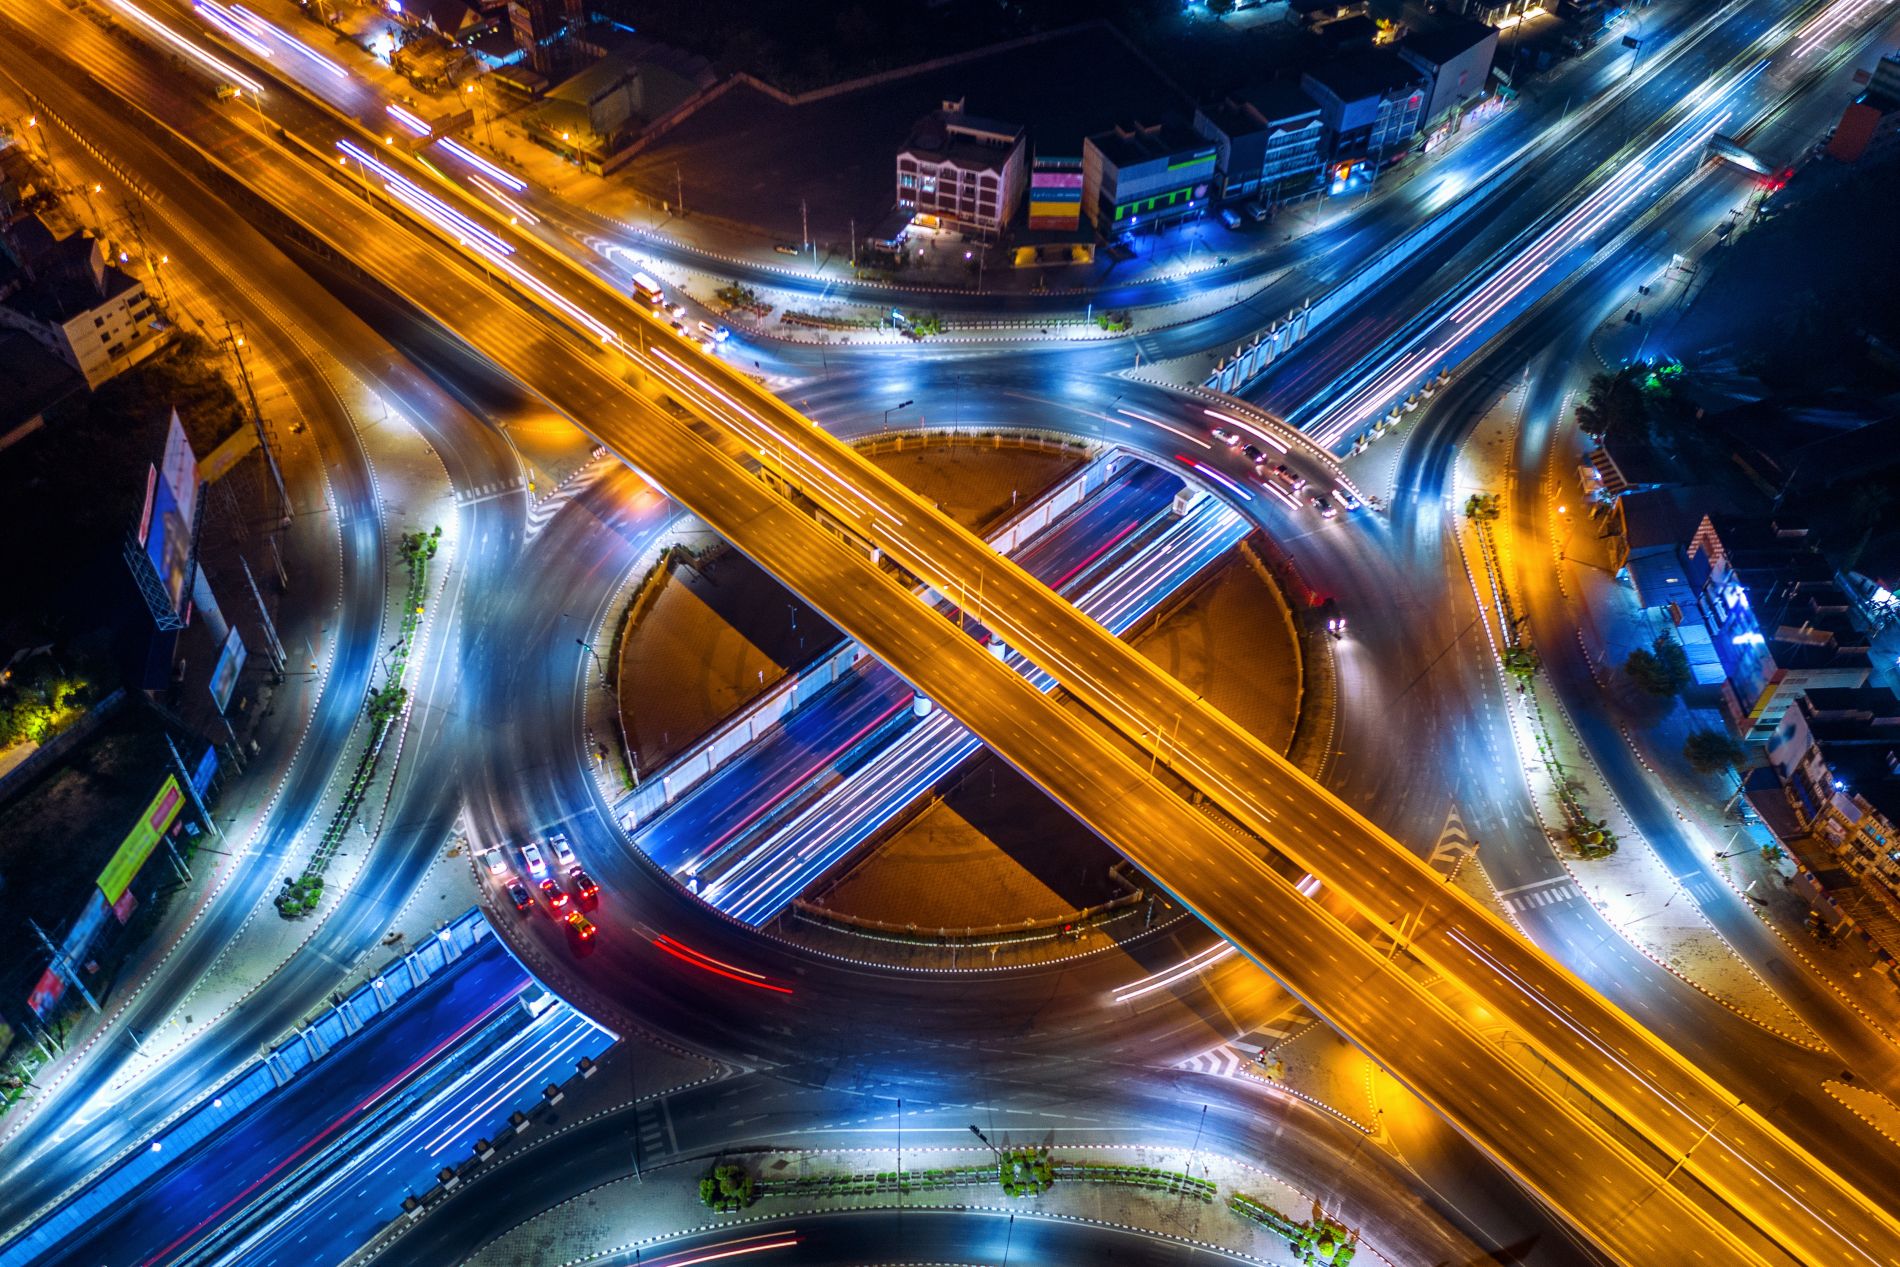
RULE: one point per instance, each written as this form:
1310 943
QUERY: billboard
143 838
171 505
206 771
230 663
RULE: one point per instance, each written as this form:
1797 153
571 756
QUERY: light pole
893 409
599 667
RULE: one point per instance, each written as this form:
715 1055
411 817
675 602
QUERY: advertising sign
138 845
206 771
225 675
124 907
46 994
171 505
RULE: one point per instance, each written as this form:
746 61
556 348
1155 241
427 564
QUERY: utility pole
197 802
679 190
273 645
135 219
234 338
62 963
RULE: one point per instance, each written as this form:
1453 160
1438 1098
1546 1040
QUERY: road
1156 728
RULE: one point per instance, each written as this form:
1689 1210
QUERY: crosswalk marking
1222 1062
1454 843
548 507
1543 895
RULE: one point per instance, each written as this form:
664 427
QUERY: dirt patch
721 631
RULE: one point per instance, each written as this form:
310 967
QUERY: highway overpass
1611 1128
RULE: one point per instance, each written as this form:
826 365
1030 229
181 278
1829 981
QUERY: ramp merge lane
1657 1158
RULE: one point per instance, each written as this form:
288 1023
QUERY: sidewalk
1631 887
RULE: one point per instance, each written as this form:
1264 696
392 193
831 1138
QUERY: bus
646 288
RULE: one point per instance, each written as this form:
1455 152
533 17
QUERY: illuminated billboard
171 505
143 838
230 663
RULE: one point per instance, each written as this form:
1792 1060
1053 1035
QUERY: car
1325 507
786 248
519 893
678 311
1256 211
1287 476
584 885
1229 217
706 345
497 863
679 327
1347 498
563 852
537 865
1226 437
580 926
1254 454
556 895
718 334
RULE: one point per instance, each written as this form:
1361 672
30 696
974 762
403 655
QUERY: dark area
58 832
1819 281
75 490
758 608
1038 834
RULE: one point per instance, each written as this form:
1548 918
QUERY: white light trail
482 165
1189 436
215 14
509 204
408 120
259 26
224 70
1248 427
1230 485
1181 971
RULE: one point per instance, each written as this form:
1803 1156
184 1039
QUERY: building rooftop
1652 519
970 142
1450 37
35 378
1375 73
1145 143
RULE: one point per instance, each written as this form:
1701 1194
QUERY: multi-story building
1779 623
1372 104
1269 142
61 291
966 172
1455 57
1055 189
1145 176
1835 757
1871 123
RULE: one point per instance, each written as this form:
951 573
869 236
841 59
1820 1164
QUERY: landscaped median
1192 1197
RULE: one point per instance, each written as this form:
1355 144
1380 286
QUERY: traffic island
1198 1198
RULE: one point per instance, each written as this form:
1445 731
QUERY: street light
893 409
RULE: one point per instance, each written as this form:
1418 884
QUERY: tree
1521 662
1712 752
1482 508
1613 406
1663 670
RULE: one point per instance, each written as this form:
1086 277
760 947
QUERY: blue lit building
1144 176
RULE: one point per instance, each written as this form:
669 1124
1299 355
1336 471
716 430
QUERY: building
38 383
1145 175
1834 804
1497 12
1646 532
1268 140
1870 124
90 314
1779 622
1371 104
1055 190
965 172
1455 57
538 26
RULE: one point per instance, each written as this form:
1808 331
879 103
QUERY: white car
1229 217
1226 437
497 863
563 853
718 334
537 865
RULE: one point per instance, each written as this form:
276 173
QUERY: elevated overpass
1611 1128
